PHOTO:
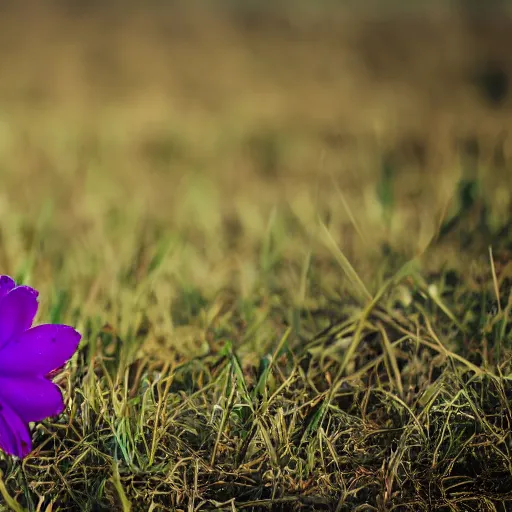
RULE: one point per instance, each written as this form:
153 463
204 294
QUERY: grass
285 304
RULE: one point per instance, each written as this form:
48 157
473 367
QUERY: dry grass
273 230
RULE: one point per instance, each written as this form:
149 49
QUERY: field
285 236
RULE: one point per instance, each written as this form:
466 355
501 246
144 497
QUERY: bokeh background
123 123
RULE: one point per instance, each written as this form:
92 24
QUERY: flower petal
32 399
6 285
14 434
39 350
17 311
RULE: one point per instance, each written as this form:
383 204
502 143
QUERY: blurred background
121 121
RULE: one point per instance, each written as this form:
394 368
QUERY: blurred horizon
270 103
70 52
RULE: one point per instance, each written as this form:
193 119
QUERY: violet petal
39 350
17 311
6 285
14 434
32 399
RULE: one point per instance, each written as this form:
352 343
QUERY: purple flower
27 356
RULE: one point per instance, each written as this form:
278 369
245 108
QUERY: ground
285 238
